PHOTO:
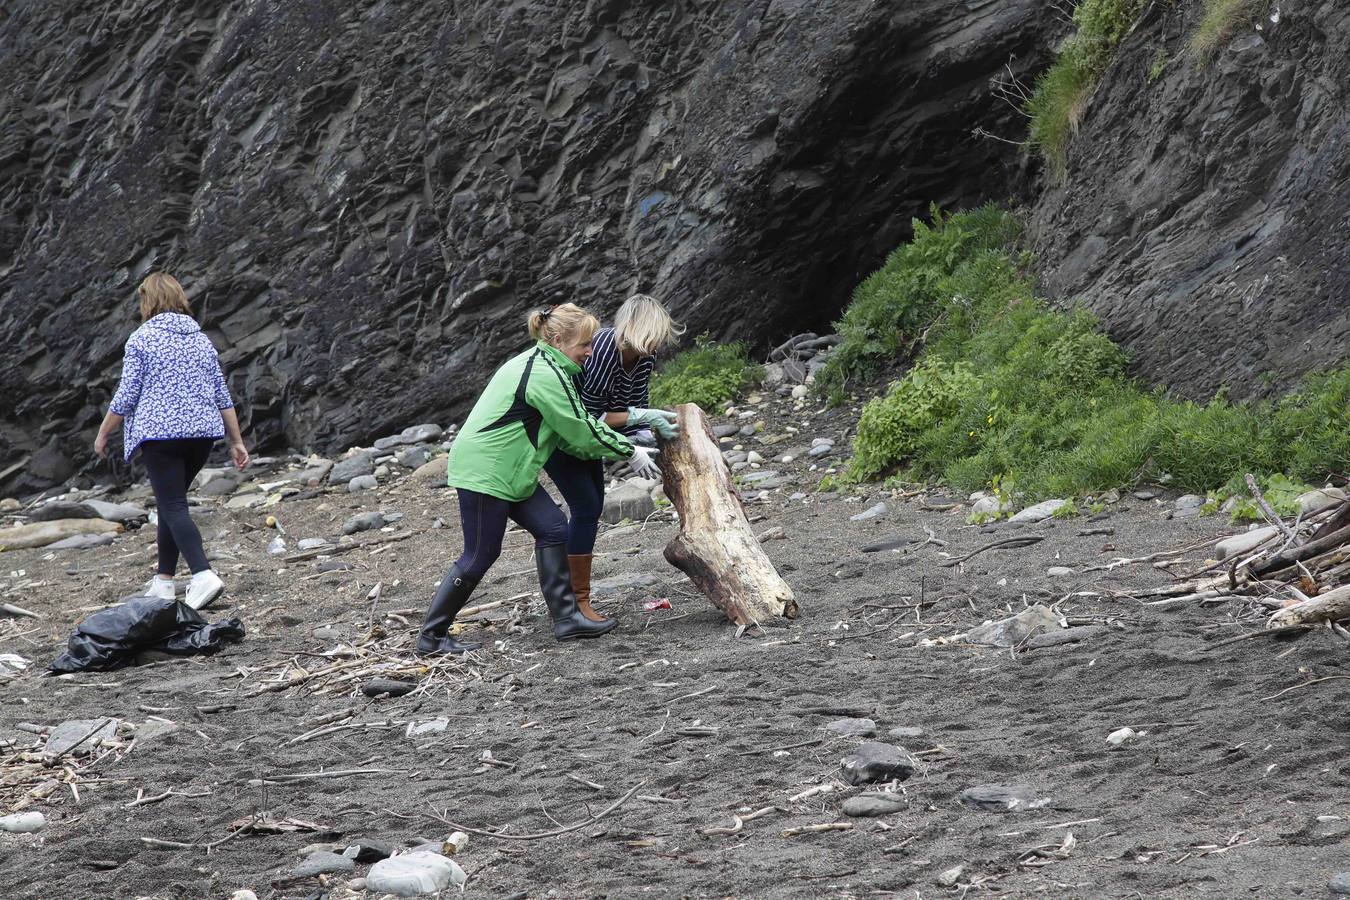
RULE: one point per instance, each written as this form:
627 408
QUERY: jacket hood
176 323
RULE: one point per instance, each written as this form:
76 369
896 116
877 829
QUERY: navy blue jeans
484 520
171 466
582 483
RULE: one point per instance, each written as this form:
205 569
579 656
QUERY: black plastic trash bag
111 638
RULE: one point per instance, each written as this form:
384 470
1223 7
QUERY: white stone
1040 512
1121 735
752 457
23 823
1312 501
412 874
1059 571
799 392
1239 544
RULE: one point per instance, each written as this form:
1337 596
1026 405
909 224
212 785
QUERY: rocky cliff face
1206 216
365 198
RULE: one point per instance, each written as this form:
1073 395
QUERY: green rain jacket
528 409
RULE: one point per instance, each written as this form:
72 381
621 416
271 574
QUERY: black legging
484 520
582 484
171 466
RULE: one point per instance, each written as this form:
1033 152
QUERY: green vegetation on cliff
1007 391
1061 94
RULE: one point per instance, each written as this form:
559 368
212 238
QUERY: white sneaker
159 588
203 589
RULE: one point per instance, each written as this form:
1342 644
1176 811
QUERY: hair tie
546 313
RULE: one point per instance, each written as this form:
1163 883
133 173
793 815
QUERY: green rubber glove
662 421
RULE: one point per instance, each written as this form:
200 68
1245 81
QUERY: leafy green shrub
1158 66
1060 95
1280 491
708 375
1008 391
1221 19
889 425
892 306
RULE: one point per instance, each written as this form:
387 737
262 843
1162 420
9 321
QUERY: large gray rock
1014 630
629 500
323 863
79 736
354 466
874 761
1039 512
412 874
1002 798
872 805
364 233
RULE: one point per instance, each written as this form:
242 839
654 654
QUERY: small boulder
412 874
433 472
1040 512
365 521
323 863
362 483
1239 544
1002 798
866 806
1014 630
412 457
10 505
362 463
23 823
853 727
79 736
393 687
1188 506
421 434
627 501
1316 501
873 762
1059 571
368 850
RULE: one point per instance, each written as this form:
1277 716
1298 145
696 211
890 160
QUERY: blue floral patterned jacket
172 386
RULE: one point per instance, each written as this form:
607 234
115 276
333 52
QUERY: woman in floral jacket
173 404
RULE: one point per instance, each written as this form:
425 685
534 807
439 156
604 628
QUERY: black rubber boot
454 591
555 581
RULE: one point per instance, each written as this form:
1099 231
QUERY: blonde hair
161 293
562 322
644 325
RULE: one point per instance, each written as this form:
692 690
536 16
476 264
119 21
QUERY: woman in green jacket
529 408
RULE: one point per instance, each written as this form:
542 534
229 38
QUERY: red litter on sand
662 603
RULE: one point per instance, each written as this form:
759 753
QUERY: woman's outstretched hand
239 453
665 423
101 445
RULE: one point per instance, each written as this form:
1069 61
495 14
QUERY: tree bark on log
716 547
1297 554
1328 607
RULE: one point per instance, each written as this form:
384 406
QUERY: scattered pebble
866 806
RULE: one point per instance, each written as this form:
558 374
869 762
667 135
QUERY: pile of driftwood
1301 572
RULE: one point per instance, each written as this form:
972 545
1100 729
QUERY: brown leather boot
580 565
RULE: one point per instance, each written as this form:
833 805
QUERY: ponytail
559 323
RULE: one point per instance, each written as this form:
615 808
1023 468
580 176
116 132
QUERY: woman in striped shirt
614 388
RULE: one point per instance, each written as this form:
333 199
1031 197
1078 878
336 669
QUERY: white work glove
663 421
643 465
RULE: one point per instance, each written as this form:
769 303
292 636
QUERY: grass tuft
1221 20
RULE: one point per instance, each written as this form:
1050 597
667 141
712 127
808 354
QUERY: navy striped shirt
605 385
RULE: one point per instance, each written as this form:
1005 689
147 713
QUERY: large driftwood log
715 546
1329 607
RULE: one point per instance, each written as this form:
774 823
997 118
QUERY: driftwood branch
716 547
